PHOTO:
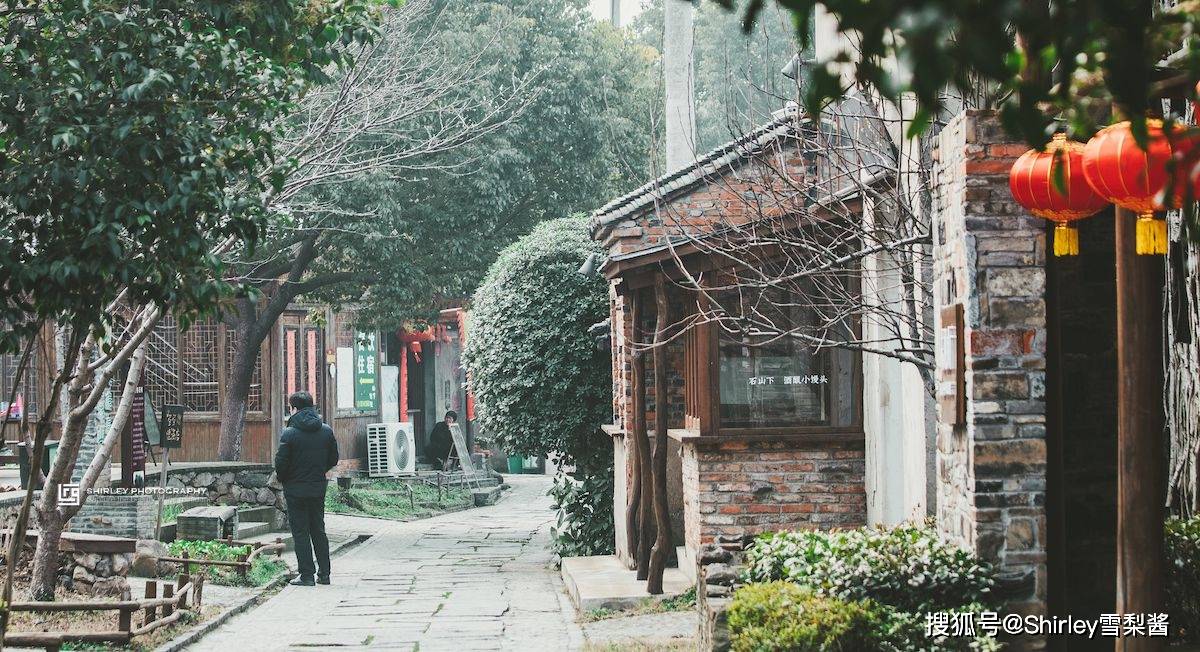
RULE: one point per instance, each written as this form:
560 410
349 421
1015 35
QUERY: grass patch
262 570
391 499
171 512
682 602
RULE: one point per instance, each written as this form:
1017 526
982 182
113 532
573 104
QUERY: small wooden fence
185 594
241 564
161 606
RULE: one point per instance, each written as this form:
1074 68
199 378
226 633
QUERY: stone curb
196 633
451 510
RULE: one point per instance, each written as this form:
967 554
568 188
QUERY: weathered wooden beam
642 439
1141 469
662 523
633 502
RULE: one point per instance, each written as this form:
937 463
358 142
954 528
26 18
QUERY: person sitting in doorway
441 442
307 451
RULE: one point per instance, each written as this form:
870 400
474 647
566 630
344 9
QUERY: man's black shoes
303 581
322 579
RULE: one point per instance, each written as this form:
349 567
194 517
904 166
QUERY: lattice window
162 364
30 381
254 395
199 357
345 332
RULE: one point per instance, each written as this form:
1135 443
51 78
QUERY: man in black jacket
307 451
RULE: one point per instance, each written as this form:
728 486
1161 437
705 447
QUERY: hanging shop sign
365 372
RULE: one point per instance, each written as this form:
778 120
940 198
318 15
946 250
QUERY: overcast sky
629 9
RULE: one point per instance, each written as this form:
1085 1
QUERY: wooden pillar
662 523
633 499
645 528
1141 477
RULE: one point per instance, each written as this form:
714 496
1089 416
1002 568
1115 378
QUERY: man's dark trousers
307 518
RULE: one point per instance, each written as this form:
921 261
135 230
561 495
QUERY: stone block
990 386
207 523
1005 458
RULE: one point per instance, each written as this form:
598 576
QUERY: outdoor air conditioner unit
391 449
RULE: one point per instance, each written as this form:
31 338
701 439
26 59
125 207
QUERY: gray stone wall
231 484
990 256
130 516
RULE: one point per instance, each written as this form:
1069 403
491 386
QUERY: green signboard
365 395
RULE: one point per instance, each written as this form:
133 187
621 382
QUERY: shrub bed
1182 546
262 570
893 575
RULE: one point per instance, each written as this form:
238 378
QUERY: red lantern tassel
1151 235
1066 240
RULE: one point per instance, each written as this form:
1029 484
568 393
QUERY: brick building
754 445
1022 461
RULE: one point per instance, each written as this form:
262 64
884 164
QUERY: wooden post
162 494
125 619
151 613
633 500
198 594
180 581
243 567
645 528
1141 477
168 592
187 565
662 523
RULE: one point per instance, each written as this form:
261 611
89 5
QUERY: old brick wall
990 257
736 488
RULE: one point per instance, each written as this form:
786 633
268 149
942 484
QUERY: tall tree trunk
52 517
633 500
249 332
44 576
645 525
251 325
662 523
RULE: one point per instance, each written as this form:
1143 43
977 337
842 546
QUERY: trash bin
515 463
49 452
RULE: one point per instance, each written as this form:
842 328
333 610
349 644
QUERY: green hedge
784 616
779 616
908 567
1182 546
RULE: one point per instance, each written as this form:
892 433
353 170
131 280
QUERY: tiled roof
783 123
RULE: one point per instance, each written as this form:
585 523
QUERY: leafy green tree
133 137
543 386
136 142
1066 61
550 108
737 73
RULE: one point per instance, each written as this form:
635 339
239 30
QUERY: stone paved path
479 579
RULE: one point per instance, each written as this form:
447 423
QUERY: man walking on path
307 451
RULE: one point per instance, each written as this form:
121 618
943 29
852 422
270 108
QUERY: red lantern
1130 177
1031 181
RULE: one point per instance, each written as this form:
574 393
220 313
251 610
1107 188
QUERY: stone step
258 514
487 496
252 529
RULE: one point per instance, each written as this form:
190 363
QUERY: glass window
770 377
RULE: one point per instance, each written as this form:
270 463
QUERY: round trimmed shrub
541 384
783 616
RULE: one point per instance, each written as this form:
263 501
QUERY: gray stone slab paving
472 580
